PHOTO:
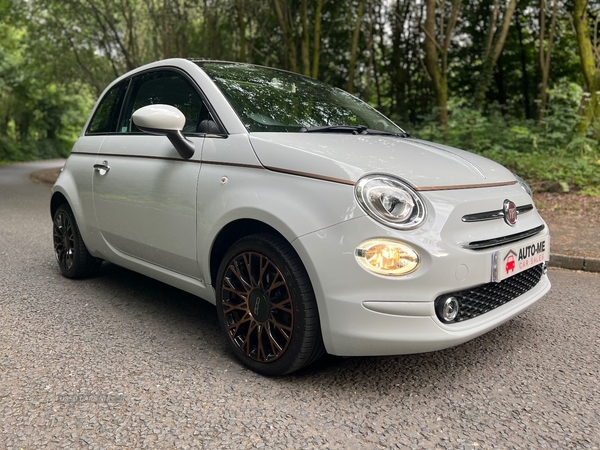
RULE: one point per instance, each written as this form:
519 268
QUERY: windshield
274 100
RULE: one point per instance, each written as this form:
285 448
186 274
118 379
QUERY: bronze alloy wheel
74 260
64 240
257 307
267 307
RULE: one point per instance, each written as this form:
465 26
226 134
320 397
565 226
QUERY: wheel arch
57 199
79 198
233 232
239 228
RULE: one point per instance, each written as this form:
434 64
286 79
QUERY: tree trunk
492 57
354 45
288 38
305 46
545 54
432 65
317 39
500 84
436 53
241 16
588 65
399 76
525 79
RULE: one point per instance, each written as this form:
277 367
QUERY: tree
40 113
438 38
405 69
588 64
496 37
286 21
295 23
354 44
545 49
408 58
317 38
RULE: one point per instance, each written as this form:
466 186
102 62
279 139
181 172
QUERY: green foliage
40 114
549 155
29 149
57 56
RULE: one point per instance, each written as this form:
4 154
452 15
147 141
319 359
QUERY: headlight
390 201
524 184
387 257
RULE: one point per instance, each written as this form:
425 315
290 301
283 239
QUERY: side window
107 114
167 88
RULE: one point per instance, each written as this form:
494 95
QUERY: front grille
495 242
496 214
484 298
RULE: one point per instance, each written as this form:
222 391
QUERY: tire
266 306
74 260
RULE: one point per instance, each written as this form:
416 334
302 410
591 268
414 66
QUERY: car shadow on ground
185 325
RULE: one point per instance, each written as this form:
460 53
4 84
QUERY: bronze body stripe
166 158
230 164
465 186
311 175
303 174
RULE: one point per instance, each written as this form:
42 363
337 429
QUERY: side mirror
165 120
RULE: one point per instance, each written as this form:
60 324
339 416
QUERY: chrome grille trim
491 215
495 242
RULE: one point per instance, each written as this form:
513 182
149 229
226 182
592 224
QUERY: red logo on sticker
510 264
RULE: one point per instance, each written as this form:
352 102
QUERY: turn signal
387 257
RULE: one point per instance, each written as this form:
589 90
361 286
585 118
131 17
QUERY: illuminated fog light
450 309
387 257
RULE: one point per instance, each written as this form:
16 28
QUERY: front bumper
365 314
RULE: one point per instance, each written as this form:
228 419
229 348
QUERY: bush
29 149
549 155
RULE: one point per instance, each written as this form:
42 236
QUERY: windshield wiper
404 134
358 129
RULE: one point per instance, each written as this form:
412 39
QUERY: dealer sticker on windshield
520 257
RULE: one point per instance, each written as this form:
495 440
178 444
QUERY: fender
75 184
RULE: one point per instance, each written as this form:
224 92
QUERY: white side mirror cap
159 118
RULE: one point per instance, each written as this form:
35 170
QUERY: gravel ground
122 361
574 222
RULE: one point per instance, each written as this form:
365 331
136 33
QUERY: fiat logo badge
510 212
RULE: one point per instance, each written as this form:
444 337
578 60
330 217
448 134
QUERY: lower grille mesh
484 298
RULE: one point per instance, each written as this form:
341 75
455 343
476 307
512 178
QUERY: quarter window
106 116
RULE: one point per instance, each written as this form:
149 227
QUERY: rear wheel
74 260
267 307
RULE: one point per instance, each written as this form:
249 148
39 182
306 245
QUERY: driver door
145 202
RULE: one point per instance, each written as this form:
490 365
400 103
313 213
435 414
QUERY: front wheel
267 307
74 260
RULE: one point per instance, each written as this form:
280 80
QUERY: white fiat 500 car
310 220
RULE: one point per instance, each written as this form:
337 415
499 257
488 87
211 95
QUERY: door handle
102 168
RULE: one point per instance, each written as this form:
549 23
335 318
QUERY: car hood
345 158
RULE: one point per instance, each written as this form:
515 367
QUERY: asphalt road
122 361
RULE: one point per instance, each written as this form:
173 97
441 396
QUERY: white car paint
158 214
